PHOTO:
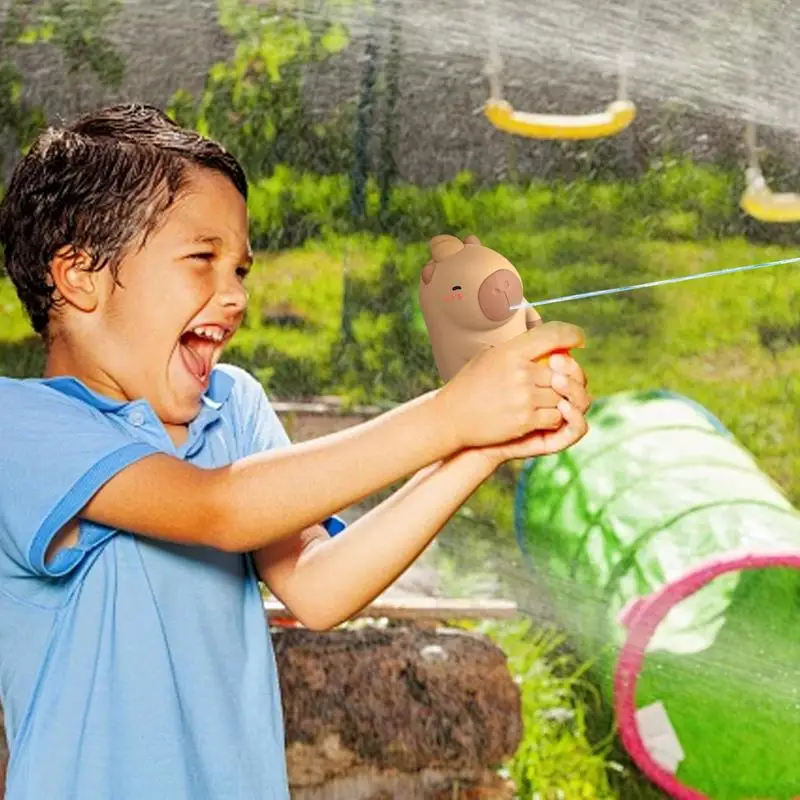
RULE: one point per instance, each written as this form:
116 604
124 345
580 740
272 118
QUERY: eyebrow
246 257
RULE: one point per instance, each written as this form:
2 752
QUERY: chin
186 412
180 398
179 411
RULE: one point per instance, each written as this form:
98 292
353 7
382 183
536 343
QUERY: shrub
673 201
254 102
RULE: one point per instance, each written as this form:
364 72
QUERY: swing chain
492 71
753 174
752 146
625 62
494 66
626 59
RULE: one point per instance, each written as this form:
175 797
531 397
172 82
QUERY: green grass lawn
730 343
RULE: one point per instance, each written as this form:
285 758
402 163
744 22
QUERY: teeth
212 332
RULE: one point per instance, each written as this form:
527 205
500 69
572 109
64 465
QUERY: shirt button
137 418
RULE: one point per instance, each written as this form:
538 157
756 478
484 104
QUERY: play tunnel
674 563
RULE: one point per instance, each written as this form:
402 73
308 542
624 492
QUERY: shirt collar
219 390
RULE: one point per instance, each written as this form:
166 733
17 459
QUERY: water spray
651 284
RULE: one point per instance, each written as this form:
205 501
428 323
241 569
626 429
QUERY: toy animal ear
427 272
444 246
471 239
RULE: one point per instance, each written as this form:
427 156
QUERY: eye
205 256
243 272
456 288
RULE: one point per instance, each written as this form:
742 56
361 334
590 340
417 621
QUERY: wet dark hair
97 185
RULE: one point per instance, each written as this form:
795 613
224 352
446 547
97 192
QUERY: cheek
167 297
141 314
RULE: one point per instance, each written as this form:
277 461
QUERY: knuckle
548 398
541 374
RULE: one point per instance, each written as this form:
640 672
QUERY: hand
503 394
566 372
546 442
541 443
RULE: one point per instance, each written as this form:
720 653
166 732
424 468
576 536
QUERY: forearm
270 495
267 497
336 578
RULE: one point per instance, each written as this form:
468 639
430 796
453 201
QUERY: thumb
547 338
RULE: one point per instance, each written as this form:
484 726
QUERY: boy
146 489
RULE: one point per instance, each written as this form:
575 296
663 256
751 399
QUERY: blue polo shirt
130 668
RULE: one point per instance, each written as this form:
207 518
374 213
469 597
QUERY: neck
62 360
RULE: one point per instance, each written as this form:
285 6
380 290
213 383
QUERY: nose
501 289
233 296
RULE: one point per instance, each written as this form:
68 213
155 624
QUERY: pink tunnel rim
642 618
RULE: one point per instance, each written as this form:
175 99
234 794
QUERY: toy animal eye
456 288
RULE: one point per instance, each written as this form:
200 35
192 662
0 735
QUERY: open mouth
200 347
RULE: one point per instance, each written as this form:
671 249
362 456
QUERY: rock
376 713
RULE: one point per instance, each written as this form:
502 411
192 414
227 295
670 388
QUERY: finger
574 429
532 317
547 419
542 374
547 337
568 366
545 398
573 391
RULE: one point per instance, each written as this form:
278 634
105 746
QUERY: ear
74 279
471 239
427 272
444 246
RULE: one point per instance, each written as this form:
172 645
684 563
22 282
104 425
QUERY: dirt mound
398 706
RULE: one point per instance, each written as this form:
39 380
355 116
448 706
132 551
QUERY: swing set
757 200
617 116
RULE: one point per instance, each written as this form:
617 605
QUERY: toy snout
502 289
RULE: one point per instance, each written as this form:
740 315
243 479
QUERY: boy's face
159 334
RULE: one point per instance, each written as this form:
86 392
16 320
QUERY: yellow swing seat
760 203
617 116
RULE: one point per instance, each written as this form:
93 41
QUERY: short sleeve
263 429
56 451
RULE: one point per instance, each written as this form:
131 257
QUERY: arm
499 396
268 496
324 581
